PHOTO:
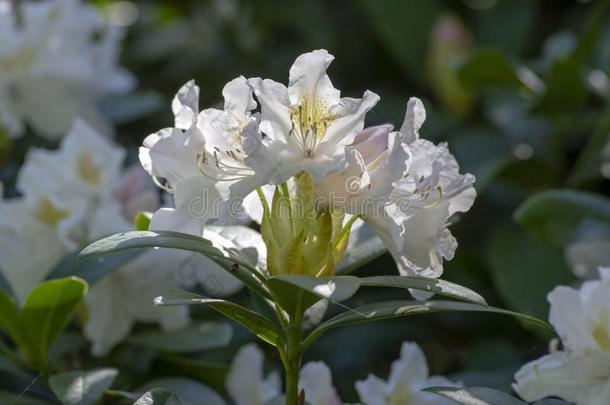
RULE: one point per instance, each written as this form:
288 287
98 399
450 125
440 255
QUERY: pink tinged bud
372 142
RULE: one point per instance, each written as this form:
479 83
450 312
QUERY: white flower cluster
57 59
404 187
247 385
80 193
580 371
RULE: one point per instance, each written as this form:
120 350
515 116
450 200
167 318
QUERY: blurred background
518 88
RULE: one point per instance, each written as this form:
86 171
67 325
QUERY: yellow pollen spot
311 115
89 172
601 333
49 214
19 61
400 396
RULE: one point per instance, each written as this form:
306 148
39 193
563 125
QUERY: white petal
185 105
316 381
572 377
411 369
569 317
308 79
168 219
585 257
245 383
414 119
171 154
372 391
275 108
238 97
351 120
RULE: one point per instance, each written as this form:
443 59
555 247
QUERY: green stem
294 353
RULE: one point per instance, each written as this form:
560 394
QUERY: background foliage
518 88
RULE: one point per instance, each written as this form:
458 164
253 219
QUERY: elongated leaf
489 68
475 395
189 392
563 216
335 289
228 259
565 88
194 338
46 311
90 269
395 309
256 323
159 396
82 387
10 321
431 285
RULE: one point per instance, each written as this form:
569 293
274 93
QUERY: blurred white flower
202 159
406 189
307 125
586 256
580 372
55 65
247 385
408 377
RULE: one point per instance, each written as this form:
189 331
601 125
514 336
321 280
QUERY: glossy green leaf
565 88
335 289
159 396
46 311
82 387
91 269
489 68
189 392
193 338
523 280
431 285
227 258
10 321
256 323
475 395
563 216
394 309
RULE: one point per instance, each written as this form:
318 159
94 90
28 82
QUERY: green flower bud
302 238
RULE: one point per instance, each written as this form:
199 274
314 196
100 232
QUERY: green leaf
402 32
524 279
430 285
256 323
563 216
159 396
475 395
227 258
90 269
489 68
194 338
189 392
363 247
335 289
565 88
46 311
394 309
82 387
506 24
212 374
142 220
10 321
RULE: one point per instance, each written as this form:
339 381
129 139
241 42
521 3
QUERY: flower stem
294 353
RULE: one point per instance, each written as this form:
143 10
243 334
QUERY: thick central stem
294 352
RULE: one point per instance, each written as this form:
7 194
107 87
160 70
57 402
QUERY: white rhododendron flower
247 385
580 372
202 158
408 377
586 256
306 125
406 189
80 193
55 64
